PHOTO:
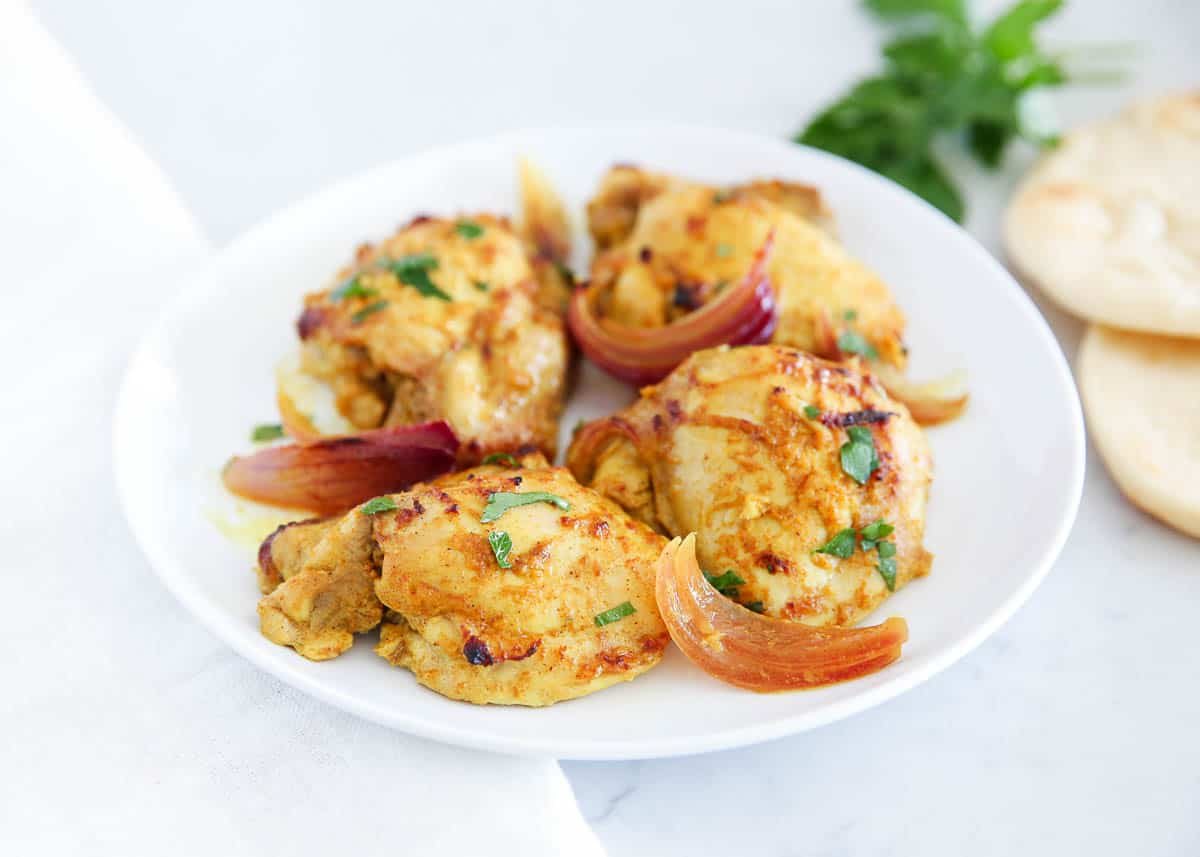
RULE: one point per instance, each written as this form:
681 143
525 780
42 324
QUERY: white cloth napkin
127 729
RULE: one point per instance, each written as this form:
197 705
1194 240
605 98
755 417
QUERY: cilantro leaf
614 614
265 432
859 457
501 544
377 505
413 270
881 529
887 570
812 411
501 458
853 342
468 229
368 311
726 583
841 545
500 502
352 288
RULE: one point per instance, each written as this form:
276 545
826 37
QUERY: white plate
1008 481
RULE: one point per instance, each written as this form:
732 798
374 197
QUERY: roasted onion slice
742 648
296 424
333 474
930 402
745 314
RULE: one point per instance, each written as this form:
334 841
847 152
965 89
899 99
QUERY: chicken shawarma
507 583
668 248
441 321
805 483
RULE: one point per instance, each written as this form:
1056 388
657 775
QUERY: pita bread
1108 224
1140 394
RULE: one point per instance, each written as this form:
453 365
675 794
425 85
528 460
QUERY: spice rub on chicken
501 584
668 246
443 320
798 475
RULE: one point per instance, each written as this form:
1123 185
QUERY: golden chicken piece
319 579
511 585
443 320
784 465
669 246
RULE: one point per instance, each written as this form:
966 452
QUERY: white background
1075 729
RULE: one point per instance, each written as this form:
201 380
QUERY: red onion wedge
744 315
334 474
756 652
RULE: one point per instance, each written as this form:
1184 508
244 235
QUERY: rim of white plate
224 626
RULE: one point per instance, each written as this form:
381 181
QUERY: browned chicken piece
745 447
510 585
443 320
319 579
668 246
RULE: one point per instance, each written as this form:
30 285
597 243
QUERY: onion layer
745 314
760 653
333 474
931 402
296 424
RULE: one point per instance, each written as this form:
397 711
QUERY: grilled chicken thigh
443 320
512 585
668 246
759 450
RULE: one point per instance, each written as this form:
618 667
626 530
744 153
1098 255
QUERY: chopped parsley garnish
850 314
468 229
501 458
887 570
870 537
368 311
352 288
413 270
853 342
724 250
265 432
841 545
720 286
755 606
501 547
501 501
377 505
726 583
721 196
875 532
858 454
481 285
812 411
614 614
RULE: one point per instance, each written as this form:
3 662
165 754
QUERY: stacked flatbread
1108 225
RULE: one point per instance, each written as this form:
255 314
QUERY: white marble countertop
1072 730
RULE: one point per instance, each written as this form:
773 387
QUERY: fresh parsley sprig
941 76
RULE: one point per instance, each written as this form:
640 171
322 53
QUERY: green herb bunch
942 77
